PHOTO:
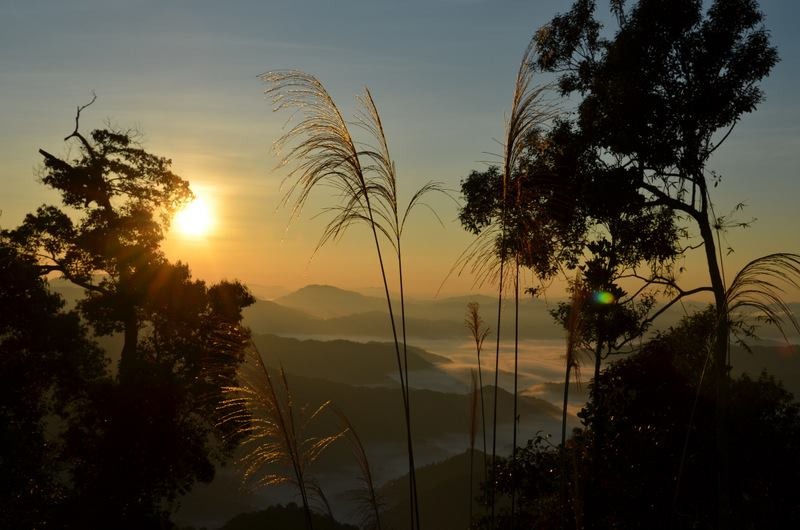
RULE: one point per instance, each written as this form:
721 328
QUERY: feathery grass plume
473 427
325 153
369 504
481 258
479 331
760 287
272 430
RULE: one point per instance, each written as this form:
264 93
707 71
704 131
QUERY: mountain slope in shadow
354 363
444 494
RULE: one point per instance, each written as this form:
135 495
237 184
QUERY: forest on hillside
134 395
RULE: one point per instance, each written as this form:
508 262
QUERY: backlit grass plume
478 331
322 152
275 448
760 287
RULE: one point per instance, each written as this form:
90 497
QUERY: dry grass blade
416 201
368 503
528 113
382 195
481 259
316 489
473 408
382 171
760 286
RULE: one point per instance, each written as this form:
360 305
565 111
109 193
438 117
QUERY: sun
196 219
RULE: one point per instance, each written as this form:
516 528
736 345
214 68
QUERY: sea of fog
540 367
540 374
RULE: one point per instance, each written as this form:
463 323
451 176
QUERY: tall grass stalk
528 112
479 332
486 256
384 188
325 154
473 427
497 370
758 289
272 430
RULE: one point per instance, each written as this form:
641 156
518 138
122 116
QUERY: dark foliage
543 223
651 402
689 73
656 97
146 435
46 367
289 516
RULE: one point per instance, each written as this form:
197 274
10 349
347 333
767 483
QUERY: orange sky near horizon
442 79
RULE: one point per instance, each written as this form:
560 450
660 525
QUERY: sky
184 74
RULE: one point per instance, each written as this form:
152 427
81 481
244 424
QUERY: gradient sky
184 74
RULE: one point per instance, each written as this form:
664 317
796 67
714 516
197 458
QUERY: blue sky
184 74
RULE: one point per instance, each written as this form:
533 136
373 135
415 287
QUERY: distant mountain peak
323 287
327 301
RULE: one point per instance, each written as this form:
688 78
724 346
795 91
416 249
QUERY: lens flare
603 297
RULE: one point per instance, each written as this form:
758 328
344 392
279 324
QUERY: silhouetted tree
148 434
662 401
658 407
656 99
123 198
559 215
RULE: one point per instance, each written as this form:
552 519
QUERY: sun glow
196 219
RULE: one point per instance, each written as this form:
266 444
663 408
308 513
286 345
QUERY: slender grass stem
516 379
492 493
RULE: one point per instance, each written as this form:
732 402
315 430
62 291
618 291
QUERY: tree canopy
657 413
655 99
147 431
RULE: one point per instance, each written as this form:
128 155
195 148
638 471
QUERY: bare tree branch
76 133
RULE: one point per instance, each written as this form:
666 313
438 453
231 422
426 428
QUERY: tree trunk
721 371
594 492
130 344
